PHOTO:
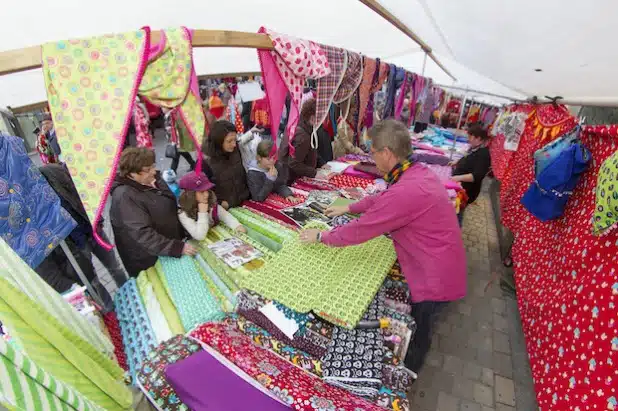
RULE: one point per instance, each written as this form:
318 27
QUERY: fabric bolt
393 400
266 227
159 324
270 213
328 85
29 387
396 378
189 292
137 334
203 382
33 221
113 328
60 352
605 217
336 291
565 278
351 78
151 374
354 361
90 135
212 275
296 388
170 81
167 307
346 181
294 60
17 272
264 339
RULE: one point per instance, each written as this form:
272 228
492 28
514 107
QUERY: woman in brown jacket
228 172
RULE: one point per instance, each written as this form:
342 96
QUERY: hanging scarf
370 77
407 80
395 174
328 86
351 79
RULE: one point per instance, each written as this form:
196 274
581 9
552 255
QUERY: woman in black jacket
228 172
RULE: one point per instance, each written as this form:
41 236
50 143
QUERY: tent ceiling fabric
571 42
344 23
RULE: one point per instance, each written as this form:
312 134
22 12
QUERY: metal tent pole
81 274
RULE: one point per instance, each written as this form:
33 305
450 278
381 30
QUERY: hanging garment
92 112
328 291
137 334
285 69
548 154
260 113
351 78
204 382
371 69
32 220
32 388
328 85
142 126
45 149
513 128
57 350
151 374
303 391
378 81
395 77
605 217
403 91
15 270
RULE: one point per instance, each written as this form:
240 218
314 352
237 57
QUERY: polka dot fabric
567 290
91 86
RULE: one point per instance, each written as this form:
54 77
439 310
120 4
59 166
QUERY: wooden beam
14 61
390 17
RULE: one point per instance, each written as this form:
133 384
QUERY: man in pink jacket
416 212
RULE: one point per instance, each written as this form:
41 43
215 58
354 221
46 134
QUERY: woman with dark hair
224 159
472 169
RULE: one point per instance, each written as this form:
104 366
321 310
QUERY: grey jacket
261 184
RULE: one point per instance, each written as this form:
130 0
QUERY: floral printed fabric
354 361
189 292
298 389
336 290
606 210
567 289
137 334
151 374
32 220
91 111
264 339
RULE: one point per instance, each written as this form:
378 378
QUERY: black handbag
171 150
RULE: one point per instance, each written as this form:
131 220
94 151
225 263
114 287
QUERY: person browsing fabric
225 161
144 213
199 209
266 175
416 212
472 169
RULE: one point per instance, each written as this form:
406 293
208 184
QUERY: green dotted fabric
606 207
336 283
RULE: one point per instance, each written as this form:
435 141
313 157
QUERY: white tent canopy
487 45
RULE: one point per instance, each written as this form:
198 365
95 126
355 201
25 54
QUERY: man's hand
189 250
336 211
241 229
225 205
309 236
202 207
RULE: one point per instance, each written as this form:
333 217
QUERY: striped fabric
54 348
26 386
16 271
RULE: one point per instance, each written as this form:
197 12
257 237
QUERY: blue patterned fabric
546 155
189 292
32 221
137 334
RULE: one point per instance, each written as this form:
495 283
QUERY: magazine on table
234 252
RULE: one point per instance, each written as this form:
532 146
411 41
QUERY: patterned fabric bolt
137 334
91 111
32 220
188 289
336 290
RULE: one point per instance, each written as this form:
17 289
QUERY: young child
199 209
265 175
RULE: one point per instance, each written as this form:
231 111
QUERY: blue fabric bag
32 221
548 194
546 155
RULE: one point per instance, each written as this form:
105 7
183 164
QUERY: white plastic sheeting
344 23
572 42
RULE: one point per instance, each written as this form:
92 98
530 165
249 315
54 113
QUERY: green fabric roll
60 352
168 308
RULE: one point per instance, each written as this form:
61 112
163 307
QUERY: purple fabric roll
204 383
430 159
